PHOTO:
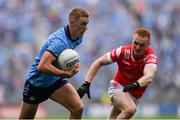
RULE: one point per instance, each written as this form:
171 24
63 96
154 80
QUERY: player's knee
79 108
130 111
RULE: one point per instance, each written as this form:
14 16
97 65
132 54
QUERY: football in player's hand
68 58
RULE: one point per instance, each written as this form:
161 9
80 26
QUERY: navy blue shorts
36 95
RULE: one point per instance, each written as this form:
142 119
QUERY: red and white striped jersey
130 70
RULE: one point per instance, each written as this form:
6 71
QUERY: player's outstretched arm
91 74
149 72
146 79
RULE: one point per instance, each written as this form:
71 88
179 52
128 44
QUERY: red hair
143 32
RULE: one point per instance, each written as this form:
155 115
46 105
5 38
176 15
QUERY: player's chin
138 53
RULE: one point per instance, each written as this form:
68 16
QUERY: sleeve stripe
109 57
115 55
151 55
118 51
52 53
151 64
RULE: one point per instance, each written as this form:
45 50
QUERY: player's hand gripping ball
68 58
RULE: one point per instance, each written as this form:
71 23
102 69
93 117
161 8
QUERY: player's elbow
41 68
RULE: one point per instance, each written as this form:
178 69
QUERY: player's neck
72 34
137 57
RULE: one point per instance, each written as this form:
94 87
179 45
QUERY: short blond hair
143 32
76 13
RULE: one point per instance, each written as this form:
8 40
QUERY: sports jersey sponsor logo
127 53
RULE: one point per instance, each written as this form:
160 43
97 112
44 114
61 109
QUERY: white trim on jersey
132 56
118 52
152 55
109 57
151 64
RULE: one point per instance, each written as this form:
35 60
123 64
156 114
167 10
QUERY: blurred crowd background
25 24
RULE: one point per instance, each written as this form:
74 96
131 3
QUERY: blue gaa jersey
56 43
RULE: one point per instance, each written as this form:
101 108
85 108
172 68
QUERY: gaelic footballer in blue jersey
45 80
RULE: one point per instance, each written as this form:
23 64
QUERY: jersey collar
67 31
134 60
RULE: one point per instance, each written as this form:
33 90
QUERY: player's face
140 45
80 26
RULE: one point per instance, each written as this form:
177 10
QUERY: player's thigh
28 110
122 101
67 96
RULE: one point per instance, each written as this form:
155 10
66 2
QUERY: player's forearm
92 71
149 72
48 68
145 80
95 67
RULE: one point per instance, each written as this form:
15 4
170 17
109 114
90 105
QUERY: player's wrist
87 83
136 84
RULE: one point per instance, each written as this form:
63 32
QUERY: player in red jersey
137 65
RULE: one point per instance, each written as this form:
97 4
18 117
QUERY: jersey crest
127 53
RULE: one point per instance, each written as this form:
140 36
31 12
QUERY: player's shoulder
61 31
58 36
58 33
127 46
126 49
122 49
150 52
150 55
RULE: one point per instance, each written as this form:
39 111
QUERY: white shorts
115 87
